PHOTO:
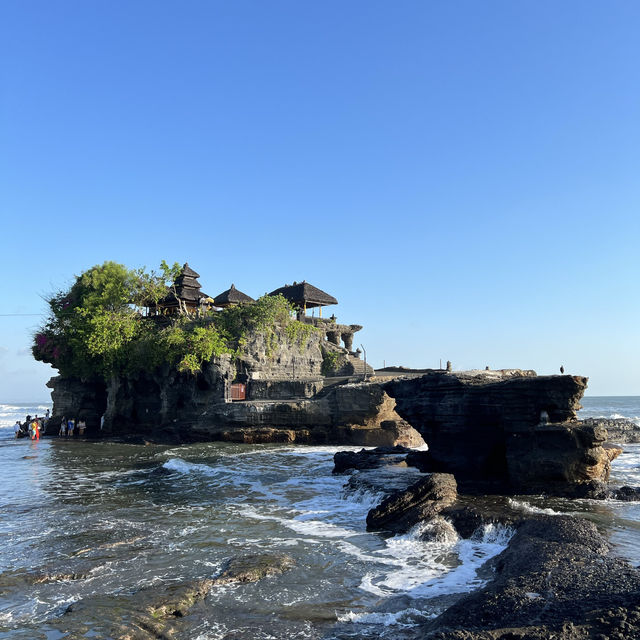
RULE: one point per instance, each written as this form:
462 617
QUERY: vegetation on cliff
97 326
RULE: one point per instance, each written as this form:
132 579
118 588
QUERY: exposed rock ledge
619 430
180 408
556 579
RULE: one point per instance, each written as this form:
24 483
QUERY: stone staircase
357 367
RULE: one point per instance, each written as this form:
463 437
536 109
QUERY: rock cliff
178 407
513 428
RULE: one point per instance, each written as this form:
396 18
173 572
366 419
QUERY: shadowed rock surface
368 458
509 431
626 494
421 501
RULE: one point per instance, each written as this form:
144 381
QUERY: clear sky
463 176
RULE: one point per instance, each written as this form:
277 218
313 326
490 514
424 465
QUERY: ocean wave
404 618
526 507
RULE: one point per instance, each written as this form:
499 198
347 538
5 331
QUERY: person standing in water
16 428
63 427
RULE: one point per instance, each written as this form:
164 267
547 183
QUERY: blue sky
463 176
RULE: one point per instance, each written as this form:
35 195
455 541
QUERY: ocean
111 518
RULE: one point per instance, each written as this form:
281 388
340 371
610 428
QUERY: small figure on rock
448 365
16 428
561 369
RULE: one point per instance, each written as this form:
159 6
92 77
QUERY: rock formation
421 501
513 429
619 430
556 579
510 428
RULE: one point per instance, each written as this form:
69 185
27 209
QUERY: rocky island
155 359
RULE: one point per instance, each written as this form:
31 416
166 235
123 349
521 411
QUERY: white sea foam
526 507
313 528
403 618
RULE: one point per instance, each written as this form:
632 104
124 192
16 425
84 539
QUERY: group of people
68 427
32 427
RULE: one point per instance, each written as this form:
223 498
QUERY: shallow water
124 517
110 518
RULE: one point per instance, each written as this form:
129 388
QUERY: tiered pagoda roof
231 297
187 289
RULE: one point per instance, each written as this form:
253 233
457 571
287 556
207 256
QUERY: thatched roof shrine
305 295
187 290
231 297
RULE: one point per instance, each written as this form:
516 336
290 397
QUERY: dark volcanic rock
620 430
464 418
555 579
368 458
470 513
168 406
550 458
627 494
421 501
504 432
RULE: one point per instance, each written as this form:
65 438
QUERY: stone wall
276 357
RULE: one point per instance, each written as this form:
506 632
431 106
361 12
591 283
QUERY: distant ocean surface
120 517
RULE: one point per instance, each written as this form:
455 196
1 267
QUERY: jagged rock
464 418
422 500
548 457
368 458
469 514
519 432
74 398
620 430
627 494
555 579
439 530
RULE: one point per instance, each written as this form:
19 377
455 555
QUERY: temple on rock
335 356
185 295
